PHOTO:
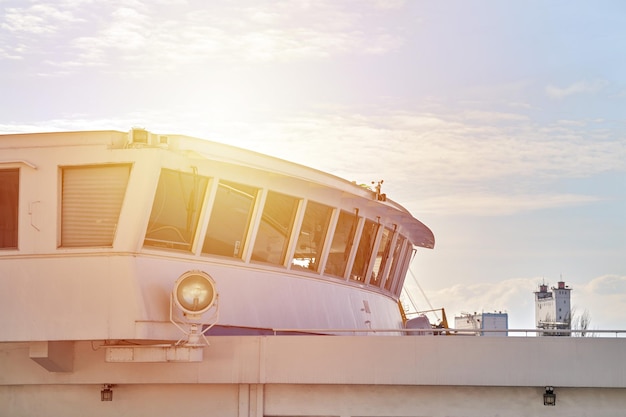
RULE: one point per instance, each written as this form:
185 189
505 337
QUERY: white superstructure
102 224
159 275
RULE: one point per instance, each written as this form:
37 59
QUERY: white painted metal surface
78 292
74 319
340 376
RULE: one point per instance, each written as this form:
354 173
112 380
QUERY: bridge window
91 201
395 263
381 258
312 236
230 219
364 251
341 244
9 204
175 210
275 229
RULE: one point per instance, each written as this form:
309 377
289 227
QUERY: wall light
549 397
107 393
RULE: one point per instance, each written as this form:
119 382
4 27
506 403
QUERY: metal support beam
251 398
158 353
54 356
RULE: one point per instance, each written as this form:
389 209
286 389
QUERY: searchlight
195 296
194 293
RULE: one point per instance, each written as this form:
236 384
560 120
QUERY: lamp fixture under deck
549 397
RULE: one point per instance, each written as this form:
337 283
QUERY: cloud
449 165
579 87
603 298
36 30
491 204
139 38
38 19
387 4
514 296
613 285
491 117
439 163
580 123
447 150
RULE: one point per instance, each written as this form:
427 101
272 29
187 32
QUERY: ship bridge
104 223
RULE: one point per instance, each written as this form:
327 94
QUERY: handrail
457 332
19 161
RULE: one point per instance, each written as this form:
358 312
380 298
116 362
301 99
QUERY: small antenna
379 196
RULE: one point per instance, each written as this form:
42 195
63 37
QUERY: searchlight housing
194 294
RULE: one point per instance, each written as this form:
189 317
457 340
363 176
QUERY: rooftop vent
139 136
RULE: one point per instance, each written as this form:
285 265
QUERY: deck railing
461 332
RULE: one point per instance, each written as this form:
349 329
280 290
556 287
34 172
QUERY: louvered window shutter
92 199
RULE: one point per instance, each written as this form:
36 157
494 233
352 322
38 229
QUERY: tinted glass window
341 244
277 220
9 201
175 210
400 273
230 219
397 258
364 251
312 236
382 255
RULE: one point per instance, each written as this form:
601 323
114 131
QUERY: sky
499 124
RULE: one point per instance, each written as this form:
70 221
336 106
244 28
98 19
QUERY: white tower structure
553 309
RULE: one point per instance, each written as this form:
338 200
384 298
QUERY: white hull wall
291 400
119 288
331 376
90 297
